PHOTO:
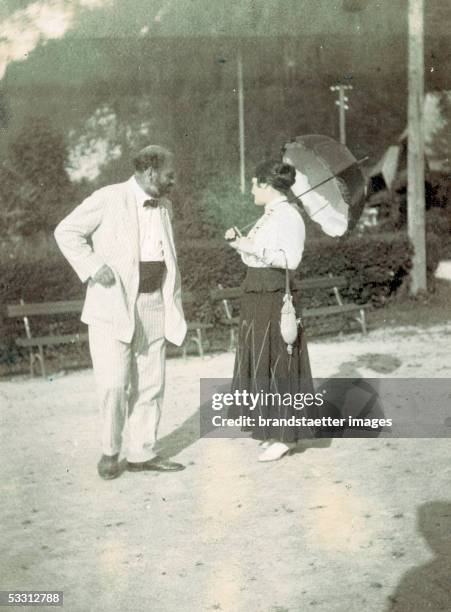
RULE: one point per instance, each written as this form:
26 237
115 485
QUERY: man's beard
163 190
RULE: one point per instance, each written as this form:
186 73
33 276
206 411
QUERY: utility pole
415 144
241 122
342 108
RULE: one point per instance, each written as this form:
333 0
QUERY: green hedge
375 265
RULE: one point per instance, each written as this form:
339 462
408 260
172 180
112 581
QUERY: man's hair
152 156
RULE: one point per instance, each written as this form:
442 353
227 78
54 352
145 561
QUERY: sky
35 23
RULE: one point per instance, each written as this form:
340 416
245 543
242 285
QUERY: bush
36 281
213 208
35 185
438 222
374 266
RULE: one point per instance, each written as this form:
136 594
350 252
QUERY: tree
35 187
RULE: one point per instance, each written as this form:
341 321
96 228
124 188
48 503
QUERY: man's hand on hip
104 276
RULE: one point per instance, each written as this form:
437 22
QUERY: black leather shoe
108 467
155 465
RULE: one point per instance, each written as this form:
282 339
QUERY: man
120 241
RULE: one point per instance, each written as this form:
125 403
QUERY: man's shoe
155 465
108 467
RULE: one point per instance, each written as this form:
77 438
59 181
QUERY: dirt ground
345 525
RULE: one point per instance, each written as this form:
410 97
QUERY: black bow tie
152 203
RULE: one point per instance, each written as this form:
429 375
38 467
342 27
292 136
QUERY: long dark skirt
263 365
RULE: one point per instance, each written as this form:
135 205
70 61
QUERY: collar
274 204
140 195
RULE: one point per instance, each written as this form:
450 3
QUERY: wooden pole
342 118
415 143
241 122
342 108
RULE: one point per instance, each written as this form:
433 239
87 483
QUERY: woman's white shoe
265 444
274 452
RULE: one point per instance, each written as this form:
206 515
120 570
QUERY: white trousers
130 381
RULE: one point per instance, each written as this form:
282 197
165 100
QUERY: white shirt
150 226
276 238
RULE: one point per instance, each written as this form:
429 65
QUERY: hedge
375 267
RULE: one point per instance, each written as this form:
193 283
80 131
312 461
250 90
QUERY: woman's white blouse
279 233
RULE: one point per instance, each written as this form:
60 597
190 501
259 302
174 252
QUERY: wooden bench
195 328
334 283
36 344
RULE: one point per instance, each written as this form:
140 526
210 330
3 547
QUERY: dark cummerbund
265 279
151 275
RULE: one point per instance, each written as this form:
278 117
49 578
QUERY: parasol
329 181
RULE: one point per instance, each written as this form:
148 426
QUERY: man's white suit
110 219
126 327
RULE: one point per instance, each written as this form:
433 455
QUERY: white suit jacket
103 229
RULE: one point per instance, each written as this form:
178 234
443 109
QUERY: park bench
36 344
195 328
333 283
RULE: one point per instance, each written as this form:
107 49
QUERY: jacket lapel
131 221
168 239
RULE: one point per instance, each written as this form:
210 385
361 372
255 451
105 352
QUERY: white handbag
288 320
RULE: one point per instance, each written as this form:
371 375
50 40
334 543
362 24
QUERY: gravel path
344 525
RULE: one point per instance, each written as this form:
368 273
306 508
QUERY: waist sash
259 280
151 275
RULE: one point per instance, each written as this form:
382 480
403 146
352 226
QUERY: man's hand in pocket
104 276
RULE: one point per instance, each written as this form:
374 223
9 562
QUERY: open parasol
329 181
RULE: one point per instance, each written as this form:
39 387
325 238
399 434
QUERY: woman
263 365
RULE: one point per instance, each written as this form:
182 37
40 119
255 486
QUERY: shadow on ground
428 587
346 397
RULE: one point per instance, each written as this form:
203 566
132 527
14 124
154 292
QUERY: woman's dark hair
279 175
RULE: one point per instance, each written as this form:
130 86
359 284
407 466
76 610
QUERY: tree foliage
35 187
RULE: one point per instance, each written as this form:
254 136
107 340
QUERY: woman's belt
151 275
265 279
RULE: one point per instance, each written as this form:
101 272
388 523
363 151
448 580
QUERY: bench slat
198 325
232 321
52 340
44 308
50 308
319 282
325 311
229 293
313 312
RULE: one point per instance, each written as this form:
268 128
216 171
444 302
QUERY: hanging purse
288 319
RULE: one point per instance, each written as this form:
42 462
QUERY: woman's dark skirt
263 366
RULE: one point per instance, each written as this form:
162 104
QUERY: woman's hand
245 245
231 234
238 241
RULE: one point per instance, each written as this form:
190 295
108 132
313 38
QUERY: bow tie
151 203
